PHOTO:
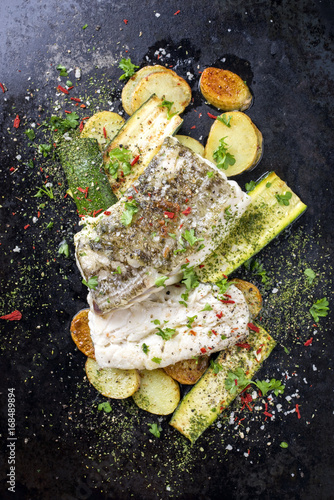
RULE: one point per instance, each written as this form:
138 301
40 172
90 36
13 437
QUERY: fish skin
119 336
174 180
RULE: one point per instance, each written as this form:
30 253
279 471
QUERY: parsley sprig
189 236
166 334
168 105
284 199
128 68
226 120
319 309
237 381
155 429
62 125
91 283
120 159
190 278
256 268
131 208
221 155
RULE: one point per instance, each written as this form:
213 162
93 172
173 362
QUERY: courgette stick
263 220
82 163
142 134
205 401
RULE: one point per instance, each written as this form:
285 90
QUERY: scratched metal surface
67 449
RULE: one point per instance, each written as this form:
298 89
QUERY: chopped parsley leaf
168 105
120 159
156 360
145 348
91 283
283 199
319 309
226 120
128 68
190 278
62 70
249 186
64 249
155 429
207 307
310 275
221 155
191 319
131 208
105 407
216 367
161 281
166 334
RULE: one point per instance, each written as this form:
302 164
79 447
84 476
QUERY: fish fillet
131 338
185 207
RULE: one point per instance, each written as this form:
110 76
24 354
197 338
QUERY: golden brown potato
103 126
167 85
188 371
158 392
252 295
80 333
225 90
112 382
191 143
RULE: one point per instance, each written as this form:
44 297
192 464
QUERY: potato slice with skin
107 120
243 139
158 392
112 382
131 84
191 143
168 86
188 371
252 295
225 90
80 333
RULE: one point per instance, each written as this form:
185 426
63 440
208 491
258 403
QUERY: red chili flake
76 99
82 190
61 89
81 126
13 316
68 112
97 212
203 350
227 301
187 211
177 12
107 212
12 169
2 87
192 332
134 187
244 345
227 295
210 115
82 106
187 260
236 381
297 411
259 350
253 327
170 215
16 122
201 265
134 161
125 21
267 414
194 126
181 225
70 88
214 332
38 214
26 226
130 197
308 342
104 132
219 315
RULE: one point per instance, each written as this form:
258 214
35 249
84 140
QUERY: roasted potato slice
132 83
191 143
80 333
102 126
188 371
252 295
225 90
242 137
112 382
167 85
158 392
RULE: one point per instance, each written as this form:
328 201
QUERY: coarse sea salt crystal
157 14
17 249
229 447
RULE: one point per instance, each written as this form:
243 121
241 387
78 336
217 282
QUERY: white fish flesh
134 337
182 208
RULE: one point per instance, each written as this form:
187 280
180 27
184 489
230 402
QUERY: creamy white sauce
119 336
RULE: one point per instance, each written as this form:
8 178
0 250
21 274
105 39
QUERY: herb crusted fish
174 215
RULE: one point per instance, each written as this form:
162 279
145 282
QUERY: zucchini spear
205 401
273 207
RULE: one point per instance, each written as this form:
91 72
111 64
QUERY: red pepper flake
107 212
297 411
308 342
12 169
76 99
201 265
38 214
26 226
16 122
104 132
134 187
170 215
194 126
267 414
244 345
253 327
82 190
13 316
2 87
125 21
186 211
210 115
192 332
97 212
181 225
259 350
134 161
68 112
177 12
70 88
187 260
82 106
203 350
130 197
227 301
61 89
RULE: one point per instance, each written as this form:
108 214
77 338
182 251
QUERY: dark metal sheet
65 447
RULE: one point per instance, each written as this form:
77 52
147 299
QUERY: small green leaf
166 334
156 360
64 249
216 367
221 155
105 407
155 429
128 68
91 283
225 119
319 309
190 237
85 26
161 281
191 319
30 133
62 70
207 307
283 199
310 275
145 348
249 186
284 444
131 208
